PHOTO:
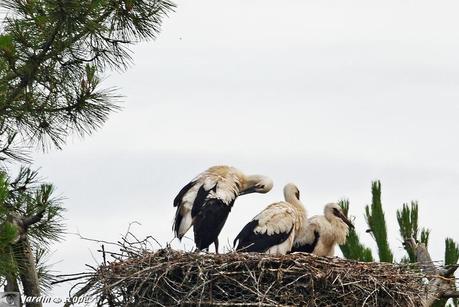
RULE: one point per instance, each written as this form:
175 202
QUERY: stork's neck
292 199
246 182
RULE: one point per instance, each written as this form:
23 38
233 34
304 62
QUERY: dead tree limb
440 280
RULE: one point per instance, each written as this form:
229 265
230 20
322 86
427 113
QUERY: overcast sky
329 95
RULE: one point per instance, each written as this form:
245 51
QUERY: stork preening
273 230
323 232
206 201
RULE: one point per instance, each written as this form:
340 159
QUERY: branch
441 282
30 220
449 270
452 294
81 292
422 256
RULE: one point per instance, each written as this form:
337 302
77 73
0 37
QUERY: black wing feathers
249 241
200 200
177 201
309 247
197 204
209 222
183 191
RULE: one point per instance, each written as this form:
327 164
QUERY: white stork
273 230
323 232
206 201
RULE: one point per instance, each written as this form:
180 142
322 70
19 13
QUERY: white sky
327 94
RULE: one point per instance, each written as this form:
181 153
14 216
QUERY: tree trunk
11 284
25 259
28 271
441 280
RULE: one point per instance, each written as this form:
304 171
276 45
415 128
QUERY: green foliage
425 234
451 251
353 249
44 271
27 197
374 215
7 234
30 197
52 56
6 43
407 219
451 258
3 192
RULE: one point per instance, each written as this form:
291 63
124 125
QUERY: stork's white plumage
206 201
273 230
323 232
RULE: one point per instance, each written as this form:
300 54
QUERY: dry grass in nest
168 277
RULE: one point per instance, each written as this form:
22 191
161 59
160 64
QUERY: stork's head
334 211
291 191
257 184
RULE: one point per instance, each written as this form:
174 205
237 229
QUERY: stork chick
273 230
323 232
206 201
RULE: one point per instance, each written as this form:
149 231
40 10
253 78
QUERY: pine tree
451 258
407 218
52 56
32 219
374 215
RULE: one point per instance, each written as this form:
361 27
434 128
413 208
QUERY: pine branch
30 220
425 234
52 56
353 248
374 215
407 219
28 225
451 252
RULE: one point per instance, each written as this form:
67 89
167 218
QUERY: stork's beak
345 220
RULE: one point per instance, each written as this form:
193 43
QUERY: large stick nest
168 277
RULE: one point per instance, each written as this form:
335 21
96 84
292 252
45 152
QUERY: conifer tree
407 218
31 218
374 215
451 258
53 54
353 249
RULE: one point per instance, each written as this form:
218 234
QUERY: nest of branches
168 277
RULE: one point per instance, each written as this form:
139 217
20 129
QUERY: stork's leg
216 245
